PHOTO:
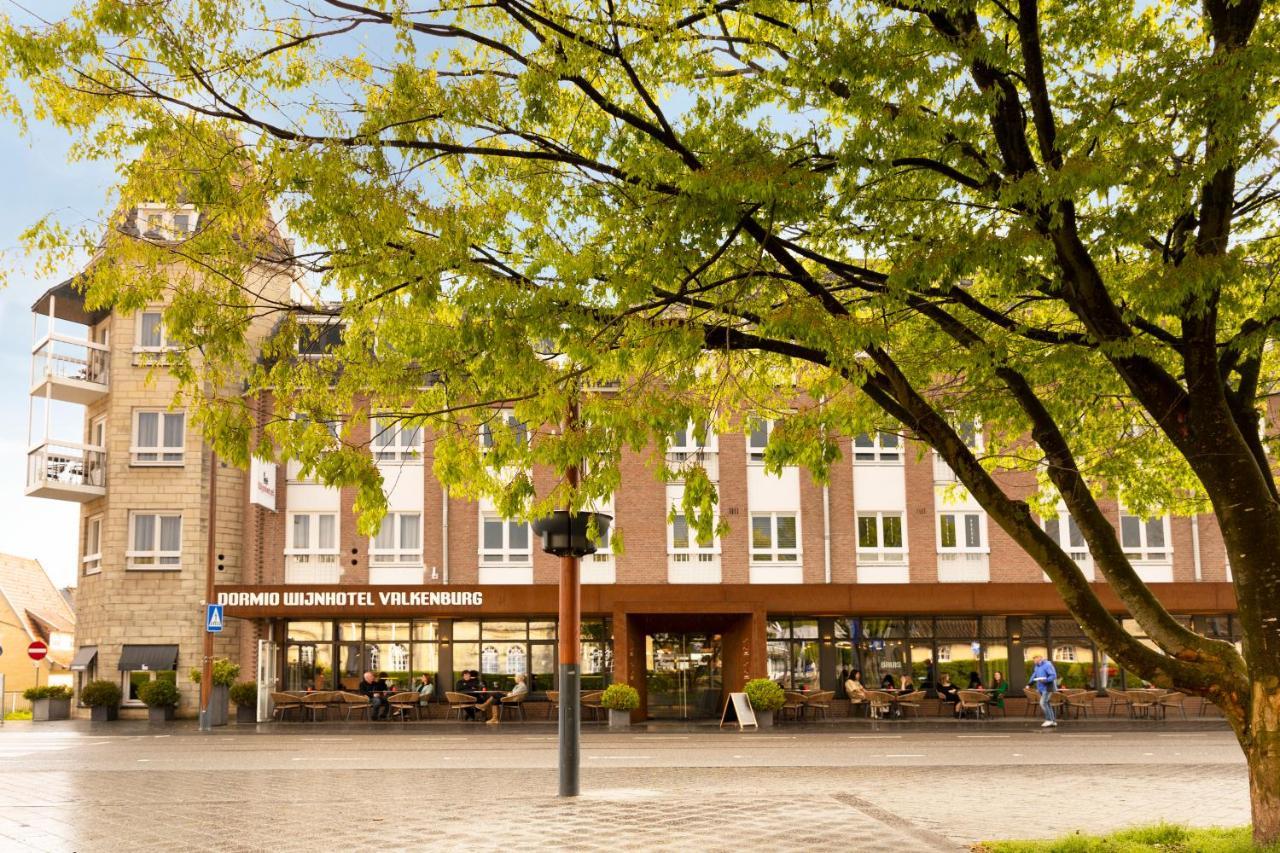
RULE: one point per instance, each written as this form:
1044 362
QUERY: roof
68 304
33 598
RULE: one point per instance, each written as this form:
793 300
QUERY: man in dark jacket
376 690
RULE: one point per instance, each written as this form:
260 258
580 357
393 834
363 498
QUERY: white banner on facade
263 490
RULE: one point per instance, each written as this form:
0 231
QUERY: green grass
1165 838
18 715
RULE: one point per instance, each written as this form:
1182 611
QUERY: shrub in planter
103 698
160 697
765 697
244 694
49 703
224 675
621 700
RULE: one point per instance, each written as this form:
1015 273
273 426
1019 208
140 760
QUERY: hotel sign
284 601
262 485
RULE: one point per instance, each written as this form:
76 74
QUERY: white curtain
148 429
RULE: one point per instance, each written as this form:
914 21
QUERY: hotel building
883 568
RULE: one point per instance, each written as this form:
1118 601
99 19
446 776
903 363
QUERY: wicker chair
1119 699
1033 701
283 703
1080 703
971 700
1144 703
357 704
461 703
590 701
553 703
819 703
514 704
1205 704
879 704
316 705
911 701
1173 699
403 704
793 704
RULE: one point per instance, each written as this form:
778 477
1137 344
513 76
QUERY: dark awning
155 658
84 658
68 304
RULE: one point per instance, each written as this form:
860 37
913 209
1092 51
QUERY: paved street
308 787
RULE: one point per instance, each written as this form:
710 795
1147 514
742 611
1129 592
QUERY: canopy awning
155 658
84 658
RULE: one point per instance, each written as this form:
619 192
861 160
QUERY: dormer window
158 222
318 336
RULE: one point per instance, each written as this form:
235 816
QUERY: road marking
770 737
143 760
328 739
1183 734
1084 735
875 737
905 755
1017 755
667 737
978 736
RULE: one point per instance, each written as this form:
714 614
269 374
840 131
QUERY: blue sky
37 180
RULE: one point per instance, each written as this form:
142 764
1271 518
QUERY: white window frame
310 554
944 652
161 450
164 345
693 551
150 559
92 561
877 452
316 320
1064 654
879 553
775 555
167 220
397 555
1144 552
505 554
755 453
691 445
961 526
393 440
1060 528
507 417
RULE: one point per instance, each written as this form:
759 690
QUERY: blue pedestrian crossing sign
213 618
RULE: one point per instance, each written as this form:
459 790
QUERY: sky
35 180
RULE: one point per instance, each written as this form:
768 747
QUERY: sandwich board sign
737 709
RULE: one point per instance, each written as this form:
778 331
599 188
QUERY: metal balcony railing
65 361
66 470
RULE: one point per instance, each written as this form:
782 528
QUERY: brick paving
308 789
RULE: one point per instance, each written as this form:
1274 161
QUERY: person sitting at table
521 687
975 681
376 692
999 687
853 688
886 683
947 691
426 689
469 685
907 685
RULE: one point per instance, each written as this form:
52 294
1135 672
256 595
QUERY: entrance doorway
683 675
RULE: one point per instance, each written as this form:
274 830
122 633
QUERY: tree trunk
1262 749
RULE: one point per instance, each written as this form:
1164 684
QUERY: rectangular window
758 439
395 441
685 546
151 335
399 540
158 437
1063 530
155 540
882 447
1144 539
774 538
181 223
92 559
960 531
880 538
139 677
504 418
318 336
504 542
691 441
313 538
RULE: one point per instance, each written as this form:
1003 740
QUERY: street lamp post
206 667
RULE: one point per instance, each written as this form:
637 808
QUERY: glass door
683 675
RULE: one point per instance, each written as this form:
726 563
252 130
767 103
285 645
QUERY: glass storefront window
880 658
466 629
504 630
995 659
391 658
547 630
804 628
310 632
921 654
394 631
426 630
308 666
542 667
775 630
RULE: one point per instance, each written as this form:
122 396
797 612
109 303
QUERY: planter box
218 699
246 715
104 713
619 719
765 719
160 713
44 710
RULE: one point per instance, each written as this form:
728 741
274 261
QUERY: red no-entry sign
37 650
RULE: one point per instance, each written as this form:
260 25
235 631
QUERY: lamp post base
570 728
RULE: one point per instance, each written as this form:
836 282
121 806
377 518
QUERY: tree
1056 219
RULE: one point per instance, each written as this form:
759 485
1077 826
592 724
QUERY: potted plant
160 697
49 703
103 699
765 697
224 675
245 696
621 700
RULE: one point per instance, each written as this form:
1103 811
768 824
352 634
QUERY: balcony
66 471
68 369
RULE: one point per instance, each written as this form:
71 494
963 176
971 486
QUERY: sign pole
206 669
570 651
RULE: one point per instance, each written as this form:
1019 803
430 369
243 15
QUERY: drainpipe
1195 546
826 532
444 529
